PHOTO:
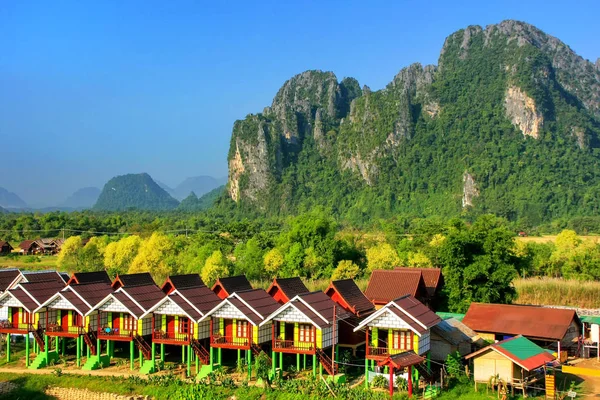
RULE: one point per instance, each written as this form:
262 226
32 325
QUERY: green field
29 262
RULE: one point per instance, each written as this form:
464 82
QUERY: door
170 325
116 323
64 320
228 328
16 314
289 331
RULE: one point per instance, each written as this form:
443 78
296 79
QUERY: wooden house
308 324
68 315
175 322
451 336
140 279
284 289
234 323
176 282
387 285
433 280
554 328
123 316
89 277
517 361
5 248
225 287
48 246
349 297
401 326
30 247
25 315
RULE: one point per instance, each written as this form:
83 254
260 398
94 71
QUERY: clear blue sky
93 89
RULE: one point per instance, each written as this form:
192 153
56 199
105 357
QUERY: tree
346 269
418 259
91 257
249 259
382 256
478 264
69 252
214 268
273 261
118 256
152 255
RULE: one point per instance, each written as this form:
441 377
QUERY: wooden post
131 354
27 350
392 382
410 383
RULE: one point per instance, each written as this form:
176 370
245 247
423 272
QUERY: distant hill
10 199
3 211
200 185
82 198
194 203
134 191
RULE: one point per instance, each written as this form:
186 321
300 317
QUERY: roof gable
89 277
353 298
287 287
531 321
17 298
432 278
227 286
9 278
130 280
174 305
176 282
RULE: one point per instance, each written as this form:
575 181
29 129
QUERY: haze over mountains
507 122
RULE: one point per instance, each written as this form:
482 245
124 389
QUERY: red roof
401 360
530 321
387 285
348 295
432 277
26 244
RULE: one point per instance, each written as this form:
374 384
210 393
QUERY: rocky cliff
513 106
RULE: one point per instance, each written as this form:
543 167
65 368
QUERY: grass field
29 262
556 291
552 238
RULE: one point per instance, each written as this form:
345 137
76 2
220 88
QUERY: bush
380 382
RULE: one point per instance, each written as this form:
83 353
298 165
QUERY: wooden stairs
256 350
326 362
90 340
201 352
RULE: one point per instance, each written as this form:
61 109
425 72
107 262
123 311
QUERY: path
48 371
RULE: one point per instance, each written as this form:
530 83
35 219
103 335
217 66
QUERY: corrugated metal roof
387 285
90 277
590 319
44 276
232 284
530 321
202 298
401 360
185 306
7 276
129 304
75 301
521 351
432 277
146 295
92 293
24 299
130 280
260 301
182 281
352 295
418 311
447 315
43 290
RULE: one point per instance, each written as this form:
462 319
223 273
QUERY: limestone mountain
134 191
508 122
82 198
11 200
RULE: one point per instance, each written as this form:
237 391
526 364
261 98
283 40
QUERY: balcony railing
7 325
161 335
378 351
56 328
219 340
291 346
110 333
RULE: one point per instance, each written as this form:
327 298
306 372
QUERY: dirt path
48 371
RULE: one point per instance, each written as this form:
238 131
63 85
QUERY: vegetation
134 191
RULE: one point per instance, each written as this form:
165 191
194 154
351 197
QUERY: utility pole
333 342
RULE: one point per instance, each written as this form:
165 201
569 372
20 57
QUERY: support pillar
249 364
162 352
8 347
410 383
63 346
304 361
314 365
197 365
98 347
141 359
153 351
298 362
131 355
238 358
210 349
320 370
27 350
46 348
219 354
56 344
183 355
281 362
392 382
273 362
429 362
366 373
189 360
78 350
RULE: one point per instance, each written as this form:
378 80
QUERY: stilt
428 362
162 352
281 362
366 373
320 370
410 383
8 347
298 362
63 346
197 365
249 364
78 350
27 350
304 361
87 350
46 348
314 365
141 359
131 355
238 358
273 362
189 360
56 344
183 355
210 349
392 382
219 354
153 351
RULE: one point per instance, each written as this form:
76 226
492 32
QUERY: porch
116 326
382 343
172 329
64 323
230 334
7 326
294 337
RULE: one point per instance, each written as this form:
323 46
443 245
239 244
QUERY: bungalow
234 324
396 334
225 287
122 316
434 281
549 327
26 316
29 247
175 322
47 246
5 248
140 279
89 277
283 289
176 282
306 325
387 285
349 297
68 315
517 361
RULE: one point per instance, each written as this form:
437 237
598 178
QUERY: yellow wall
374 337
254 334
416 344
319 338
490 364
488 337
140 327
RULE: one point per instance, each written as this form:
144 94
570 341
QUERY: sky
94 89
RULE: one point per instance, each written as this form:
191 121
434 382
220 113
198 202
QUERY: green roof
521 347
446 315
590 319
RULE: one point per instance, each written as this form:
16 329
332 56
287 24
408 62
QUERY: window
184 325
27 318
242 329
128 323
306 333
77 320
402 340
